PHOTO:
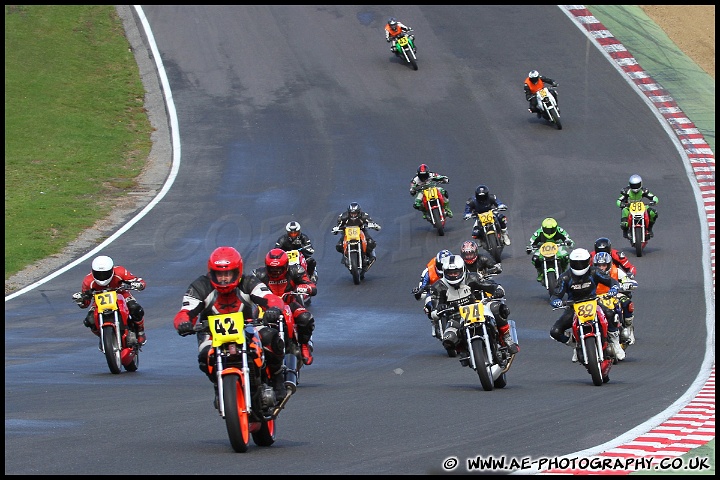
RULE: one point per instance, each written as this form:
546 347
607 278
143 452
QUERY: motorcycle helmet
549 227
579 261
441 255
534 76
602 260
293 230
354 210
102 270
469 252
392 22
221 261
481 193
454 271
602 244
635 183
276 262
423 173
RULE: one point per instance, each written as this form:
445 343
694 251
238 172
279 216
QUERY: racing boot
571 343
505 236
448 212
649 232
513 347
370 260
624 227
89 321
629 330
140 327
306 352
614 339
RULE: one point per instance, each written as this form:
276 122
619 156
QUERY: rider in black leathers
355 217
295 239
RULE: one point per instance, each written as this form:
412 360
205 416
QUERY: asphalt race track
293 112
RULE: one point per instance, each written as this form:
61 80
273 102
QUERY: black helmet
481 193
392 22
353 210
423 172
534 76
603 244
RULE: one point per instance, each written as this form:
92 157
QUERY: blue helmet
439 259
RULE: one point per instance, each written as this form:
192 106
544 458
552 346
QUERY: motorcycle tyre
551 278
493 247
556 118
112 349
135 363
355 270
501 381
236 418
266 435
438 222
411 59
638 241
593 364
479 352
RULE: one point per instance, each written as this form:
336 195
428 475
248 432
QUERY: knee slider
339 247
305 320
557 333
205 361
504 310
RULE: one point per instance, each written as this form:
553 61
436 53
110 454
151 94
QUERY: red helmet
276 262
225 259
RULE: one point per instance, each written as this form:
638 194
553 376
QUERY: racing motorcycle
554 259
488 232
433 206
547 104
638 221
354 249
612 304
118 338
589 333
245 396
296 257
405 46
488 354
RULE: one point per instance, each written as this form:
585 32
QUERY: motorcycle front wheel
593 364
438 222
354 268
480 354
236 416
112 349
551 279
556 118
638 241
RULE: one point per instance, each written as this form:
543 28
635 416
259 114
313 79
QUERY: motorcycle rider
105 274
355 217
619 258
456 288
295 239
478 262
604 262
635 192
533 83
421 180
482 202
432 273
579 282
280 277
393 29
549 231
226 289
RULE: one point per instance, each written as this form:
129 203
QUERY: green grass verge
76 132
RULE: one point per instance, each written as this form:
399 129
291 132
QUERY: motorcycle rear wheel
480 354
493 247
112 349
266 435
236 417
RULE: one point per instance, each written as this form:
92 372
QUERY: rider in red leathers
224 289
619 258
282 278
106 275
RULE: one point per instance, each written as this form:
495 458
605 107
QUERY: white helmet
293 229
635 183
579 261
454 271
534 76
102 270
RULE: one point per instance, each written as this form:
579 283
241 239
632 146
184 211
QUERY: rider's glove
374 226
556 303
613 291
272 315
79 298
555 84
497 268
303 289
417 291
137 285
498 293
446 180
502 207
467 216
335 230
185 329
528 249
